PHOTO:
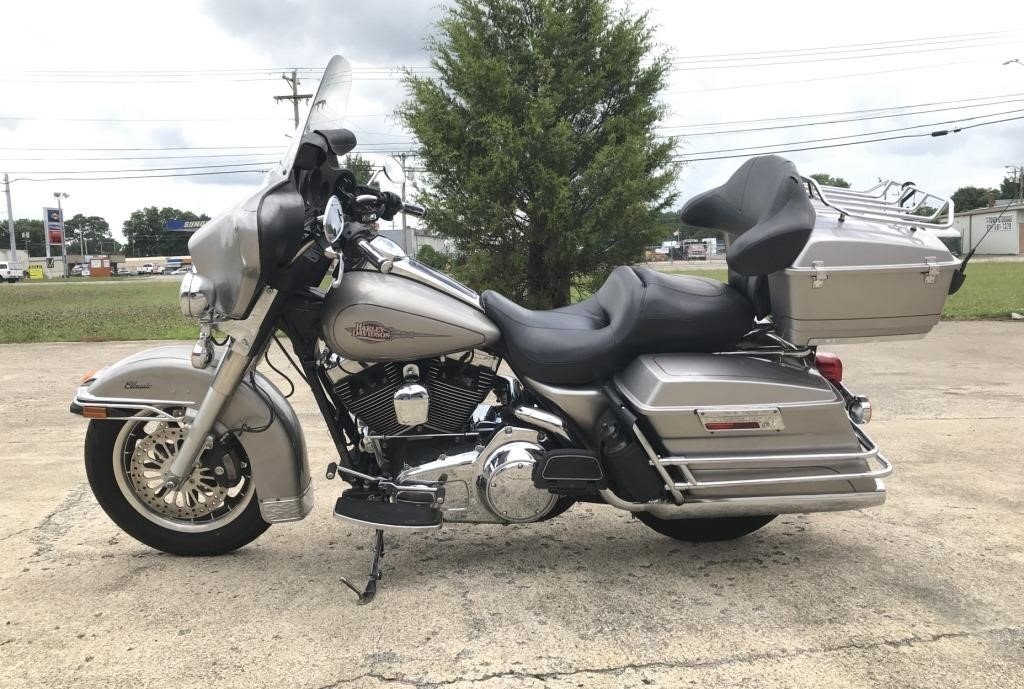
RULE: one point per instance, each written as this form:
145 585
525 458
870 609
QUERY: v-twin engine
449 387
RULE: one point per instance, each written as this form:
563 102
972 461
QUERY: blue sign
183 225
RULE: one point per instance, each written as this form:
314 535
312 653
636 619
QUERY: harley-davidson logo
372 331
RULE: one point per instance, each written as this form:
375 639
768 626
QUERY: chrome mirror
333 219
394 170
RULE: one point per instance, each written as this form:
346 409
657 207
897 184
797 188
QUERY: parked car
695 250
181 271
146 269
10 272
159 270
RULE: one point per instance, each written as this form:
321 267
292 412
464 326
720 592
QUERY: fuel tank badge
372 331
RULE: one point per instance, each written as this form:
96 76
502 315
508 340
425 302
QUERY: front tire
705 530
121 459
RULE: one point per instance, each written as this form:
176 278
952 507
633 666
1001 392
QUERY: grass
143 310
128 310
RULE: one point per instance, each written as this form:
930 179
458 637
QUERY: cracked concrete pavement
923 592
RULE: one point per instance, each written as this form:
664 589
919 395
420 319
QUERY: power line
849 143
842 112
847 120
104 179
142 169
833 77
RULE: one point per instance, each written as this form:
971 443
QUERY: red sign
54 225
55 236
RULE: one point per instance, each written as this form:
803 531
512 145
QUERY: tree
34 228
969 198
144 231
538 136
362 168
94 230
829 180
1010 188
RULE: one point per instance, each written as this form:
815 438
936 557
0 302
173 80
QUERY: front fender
156 377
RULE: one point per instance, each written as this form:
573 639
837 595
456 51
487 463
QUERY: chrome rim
143 450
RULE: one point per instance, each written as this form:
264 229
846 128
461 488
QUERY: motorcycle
702 408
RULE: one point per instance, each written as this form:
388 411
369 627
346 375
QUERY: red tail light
830 366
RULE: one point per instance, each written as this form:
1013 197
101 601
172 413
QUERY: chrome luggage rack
890 202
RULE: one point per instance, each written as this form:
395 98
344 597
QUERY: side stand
375 574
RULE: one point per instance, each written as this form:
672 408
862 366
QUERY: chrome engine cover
491 484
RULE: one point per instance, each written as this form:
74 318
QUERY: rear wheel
204 516
705 530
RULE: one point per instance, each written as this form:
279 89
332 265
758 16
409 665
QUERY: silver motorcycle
702 408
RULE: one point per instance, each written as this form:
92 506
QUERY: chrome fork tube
229 375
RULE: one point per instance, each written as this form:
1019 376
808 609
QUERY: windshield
328 107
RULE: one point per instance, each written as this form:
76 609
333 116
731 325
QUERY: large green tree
34 244
829 180
538 137
969 198
94 230
145 234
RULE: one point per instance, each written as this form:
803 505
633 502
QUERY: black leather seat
636 311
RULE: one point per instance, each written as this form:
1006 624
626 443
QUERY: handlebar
414 209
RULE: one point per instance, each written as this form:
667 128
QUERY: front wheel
207 515
705 530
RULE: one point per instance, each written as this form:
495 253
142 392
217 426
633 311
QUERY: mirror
333 219
394 171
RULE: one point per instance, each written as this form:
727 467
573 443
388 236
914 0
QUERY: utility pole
295 97
408 233
10 219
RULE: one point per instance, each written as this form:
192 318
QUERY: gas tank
379 317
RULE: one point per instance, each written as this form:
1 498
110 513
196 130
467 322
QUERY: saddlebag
734 426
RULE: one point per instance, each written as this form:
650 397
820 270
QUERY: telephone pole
295 96
10 219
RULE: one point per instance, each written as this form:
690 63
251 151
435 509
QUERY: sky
198 78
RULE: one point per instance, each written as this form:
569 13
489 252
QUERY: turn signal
830 366
94 412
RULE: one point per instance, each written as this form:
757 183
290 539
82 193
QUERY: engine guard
160 378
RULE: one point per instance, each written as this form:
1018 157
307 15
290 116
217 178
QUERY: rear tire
705 530
236 529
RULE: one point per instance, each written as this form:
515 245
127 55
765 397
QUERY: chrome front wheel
212 511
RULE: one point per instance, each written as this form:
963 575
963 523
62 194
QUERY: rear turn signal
94 412
830 366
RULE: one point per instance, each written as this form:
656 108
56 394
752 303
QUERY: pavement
922 592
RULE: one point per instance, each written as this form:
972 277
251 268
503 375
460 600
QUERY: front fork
247 340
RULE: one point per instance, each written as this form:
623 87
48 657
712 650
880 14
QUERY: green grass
128 310
144 310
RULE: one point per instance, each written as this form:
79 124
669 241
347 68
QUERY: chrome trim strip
386 527
289 509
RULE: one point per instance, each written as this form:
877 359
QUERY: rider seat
636 311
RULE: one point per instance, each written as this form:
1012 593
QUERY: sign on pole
54 225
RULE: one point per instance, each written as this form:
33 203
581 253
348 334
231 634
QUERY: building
1006 220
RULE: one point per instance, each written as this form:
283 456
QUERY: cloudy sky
112 89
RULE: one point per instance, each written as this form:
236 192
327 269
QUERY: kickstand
375 574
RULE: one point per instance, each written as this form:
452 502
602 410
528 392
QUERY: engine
421 397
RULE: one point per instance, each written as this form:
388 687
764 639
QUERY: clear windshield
328 107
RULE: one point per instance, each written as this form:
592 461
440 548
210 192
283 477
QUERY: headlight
196 296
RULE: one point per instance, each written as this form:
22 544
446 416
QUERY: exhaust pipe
698 508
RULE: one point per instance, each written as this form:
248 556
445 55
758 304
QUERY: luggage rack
890 202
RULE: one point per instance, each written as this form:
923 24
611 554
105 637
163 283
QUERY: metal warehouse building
1007 235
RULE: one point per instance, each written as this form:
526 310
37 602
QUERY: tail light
830 366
